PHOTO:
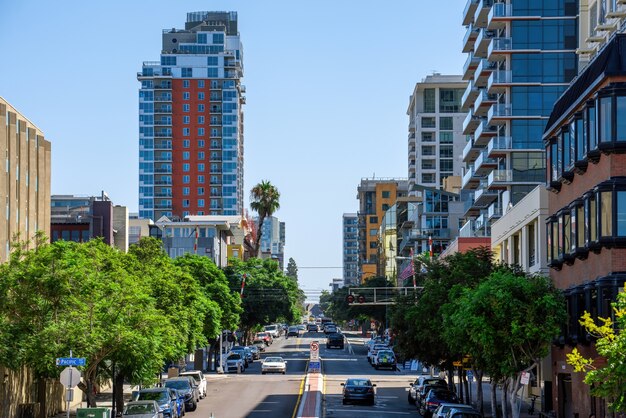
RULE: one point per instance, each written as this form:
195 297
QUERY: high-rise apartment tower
191 121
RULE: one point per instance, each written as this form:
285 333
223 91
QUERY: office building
191 121
350 249
435 130
375 196
25 180
272 243
521 57
585 143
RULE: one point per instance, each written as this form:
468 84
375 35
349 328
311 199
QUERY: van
272 329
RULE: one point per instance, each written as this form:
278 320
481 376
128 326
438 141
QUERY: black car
433 398
334 340
182 384
358 389
422 390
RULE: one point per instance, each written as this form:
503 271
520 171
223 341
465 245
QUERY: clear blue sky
328 84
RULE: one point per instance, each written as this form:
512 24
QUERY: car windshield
434 382
358 382
274 360
234 357
145 408
177 384
270 328
153 396
442 395
195 376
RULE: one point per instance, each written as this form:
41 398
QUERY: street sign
525 378
71 361
70 377
315 366
315 351
470 376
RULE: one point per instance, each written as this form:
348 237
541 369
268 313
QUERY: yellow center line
295 409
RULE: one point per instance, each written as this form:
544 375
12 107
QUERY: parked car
384 359
358 389
274 365
235 363
184 385
444 407
335 340
434 398
260 344
293 332
142 409
301 327
162 396
423 391
256 352
458 412
374 349
416 386
198 377
312 328
180 401
265 336
274 330
244 355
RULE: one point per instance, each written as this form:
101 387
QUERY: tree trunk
118 381
450 370
257 244
494 401
514 398
460 393
468 399
479 391
504 397
42 396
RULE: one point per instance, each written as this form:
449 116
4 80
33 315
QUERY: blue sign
470 375
71 361
315 366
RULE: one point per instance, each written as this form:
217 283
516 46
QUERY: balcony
470 94
483 71
482 12
499 179
482 42
499 14
483 164
163 205
499 113
468 39
412 138
163 98
494 211
468 12
470 123
412 166
499 80
484 197
484 132
163 109
470 179
163 159
499 48
163 170
484 102
471 63
471 151
500 146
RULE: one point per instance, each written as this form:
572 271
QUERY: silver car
142 409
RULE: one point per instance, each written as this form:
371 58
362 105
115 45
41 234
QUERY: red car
265 336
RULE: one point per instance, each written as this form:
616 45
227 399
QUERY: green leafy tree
292 269
607 378
265 201
510 320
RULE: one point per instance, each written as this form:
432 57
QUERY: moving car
274 365
312 328
274 330
260 344
244 355
182 384
265 336
162 396
235 363
293 332
142 409
416 386
330 328
335 340
384 358
434 398
256 352
301 327
198 377
358 389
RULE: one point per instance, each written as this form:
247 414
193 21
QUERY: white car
235 363
443 408
273 330
199 379
274 365
374 349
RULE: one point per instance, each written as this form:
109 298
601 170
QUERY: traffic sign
71 361
470 376
315 366
315 351
70 377
525 378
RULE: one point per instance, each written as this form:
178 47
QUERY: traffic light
350 298
361 299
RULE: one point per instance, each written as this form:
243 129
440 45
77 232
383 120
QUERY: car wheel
372 402
410 399
284 372
194 406
262 372
376 367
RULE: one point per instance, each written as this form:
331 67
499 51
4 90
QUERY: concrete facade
25 179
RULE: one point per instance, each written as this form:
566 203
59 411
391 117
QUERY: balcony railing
494 211
500 110
500 45
500 143
468 148
469 95
468 39
468 11
470 65
500 176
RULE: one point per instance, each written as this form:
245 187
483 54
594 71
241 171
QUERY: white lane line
371 411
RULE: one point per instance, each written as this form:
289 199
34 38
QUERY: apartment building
272 243
191 121
25 180
435 133
375 196
350 244
521 57
585 143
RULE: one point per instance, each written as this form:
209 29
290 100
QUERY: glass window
200 203
201 84
561 238
450 100
386 194
606 224
186 167
185 191
554 161
567 157
620 118
446 137
186 155
200 108
185 95
591 128
186 143
201 179
429 100
428 122
185 108
428 137
445 123
572 231
605 119
621 213
580 226
446 151
200 95
201 167
581 146
373 232
185 179
186 120
200 191
186 131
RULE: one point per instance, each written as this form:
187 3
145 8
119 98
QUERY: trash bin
93 413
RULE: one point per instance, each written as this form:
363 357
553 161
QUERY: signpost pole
68 389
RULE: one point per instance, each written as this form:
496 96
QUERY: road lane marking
371 411
295 409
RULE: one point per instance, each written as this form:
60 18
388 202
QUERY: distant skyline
327 89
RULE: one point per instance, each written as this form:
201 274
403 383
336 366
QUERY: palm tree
264 200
